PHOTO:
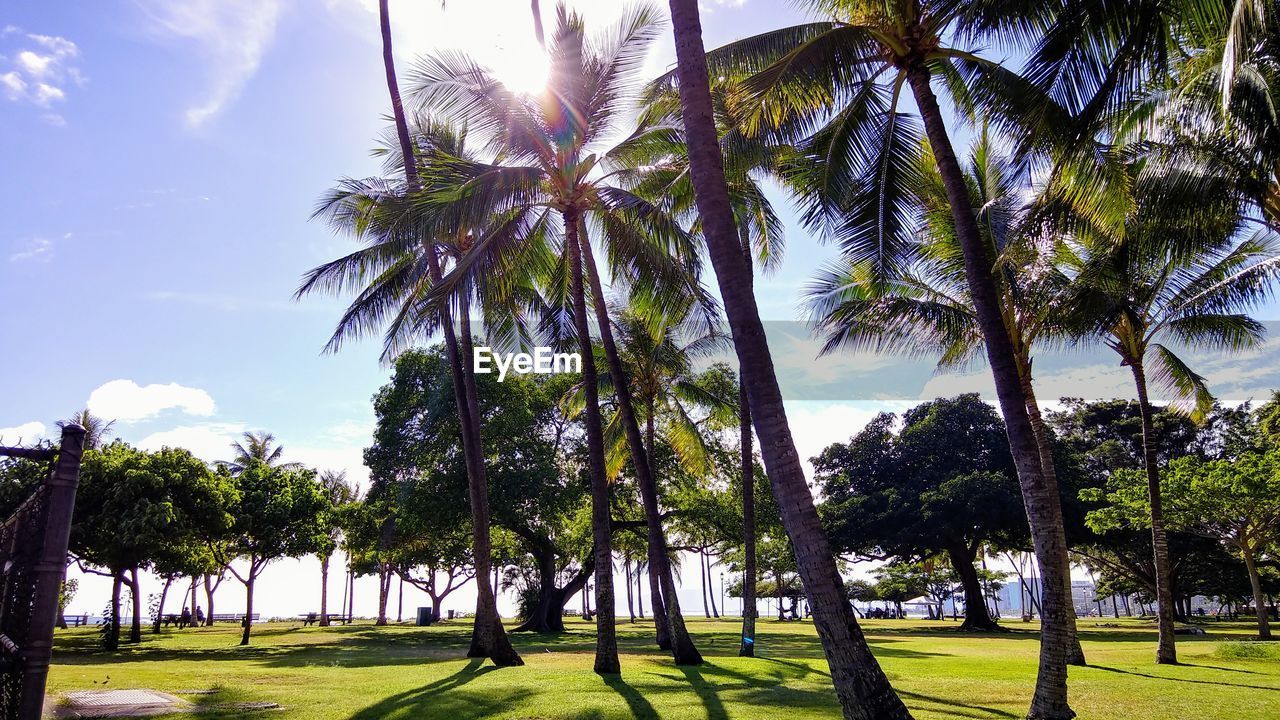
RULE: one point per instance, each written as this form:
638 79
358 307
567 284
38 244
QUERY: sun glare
524 71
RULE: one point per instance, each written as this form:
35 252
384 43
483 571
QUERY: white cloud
26 433
208 441
40 71
36 248
126 401
815 425
232 35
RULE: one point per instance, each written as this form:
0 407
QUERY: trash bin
424 615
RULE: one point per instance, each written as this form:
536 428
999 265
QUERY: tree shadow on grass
951 707
444 698
1217 683
640 707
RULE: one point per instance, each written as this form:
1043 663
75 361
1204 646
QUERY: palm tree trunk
164 593
384 592
1075 653
860 683
324 590
747 456
1259 600
661 627
639 591
1166 651
606 630
715 611
1043 510
682 647
489 638
702 572
631 601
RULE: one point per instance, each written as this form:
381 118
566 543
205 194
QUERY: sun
523 71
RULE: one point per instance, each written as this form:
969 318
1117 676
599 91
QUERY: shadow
953 708
442 698
705 691
1185 680
639 706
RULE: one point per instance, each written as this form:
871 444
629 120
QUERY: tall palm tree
339 494
1179 276
554 173
836 87
662 159
96 429
400 273
924 307
860 683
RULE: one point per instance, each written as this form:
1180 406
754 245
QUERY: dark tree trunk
976 616
548 614
1259 600
1075 653
606 630
861 685
682 647
324 590
248 605
1043 509
111 638
384 592
639 592
489 638
164 593
702 572
747 457
1166 651
715 611
209 589
135 592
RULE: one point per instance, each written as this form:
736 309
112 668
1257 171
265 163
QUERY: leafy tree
1236 502
276 512
533 469
135 509
338 495
944 484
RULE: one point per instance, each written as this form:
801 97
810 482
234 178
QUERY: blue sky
161 161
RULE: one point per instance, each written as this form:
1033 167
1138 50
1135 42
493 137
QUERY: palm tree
260 446
662 158
860 683
1178 276
400 268
339 494
562 191
96 429
846 77
924 308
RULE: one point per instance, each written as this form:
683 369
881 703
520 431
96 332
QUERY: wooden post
50 568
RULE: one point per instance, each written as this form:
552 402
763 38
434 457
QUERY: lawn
363 672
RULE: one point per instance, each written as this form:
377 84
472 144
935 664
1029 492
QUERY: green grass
365 673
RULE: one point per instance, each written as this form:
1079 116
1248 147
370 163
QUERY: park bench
233 617
312 618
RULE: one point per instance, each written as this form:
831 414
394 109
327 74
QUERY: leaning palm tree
924 307
395 274
662 175
861 685
553 170
836 89
1180 275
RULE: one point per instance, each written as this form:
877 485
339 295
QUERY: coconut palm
662 160
96 429
259 446
396 273
836 88
554 172
338 493
925 309
861 685
1180 276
